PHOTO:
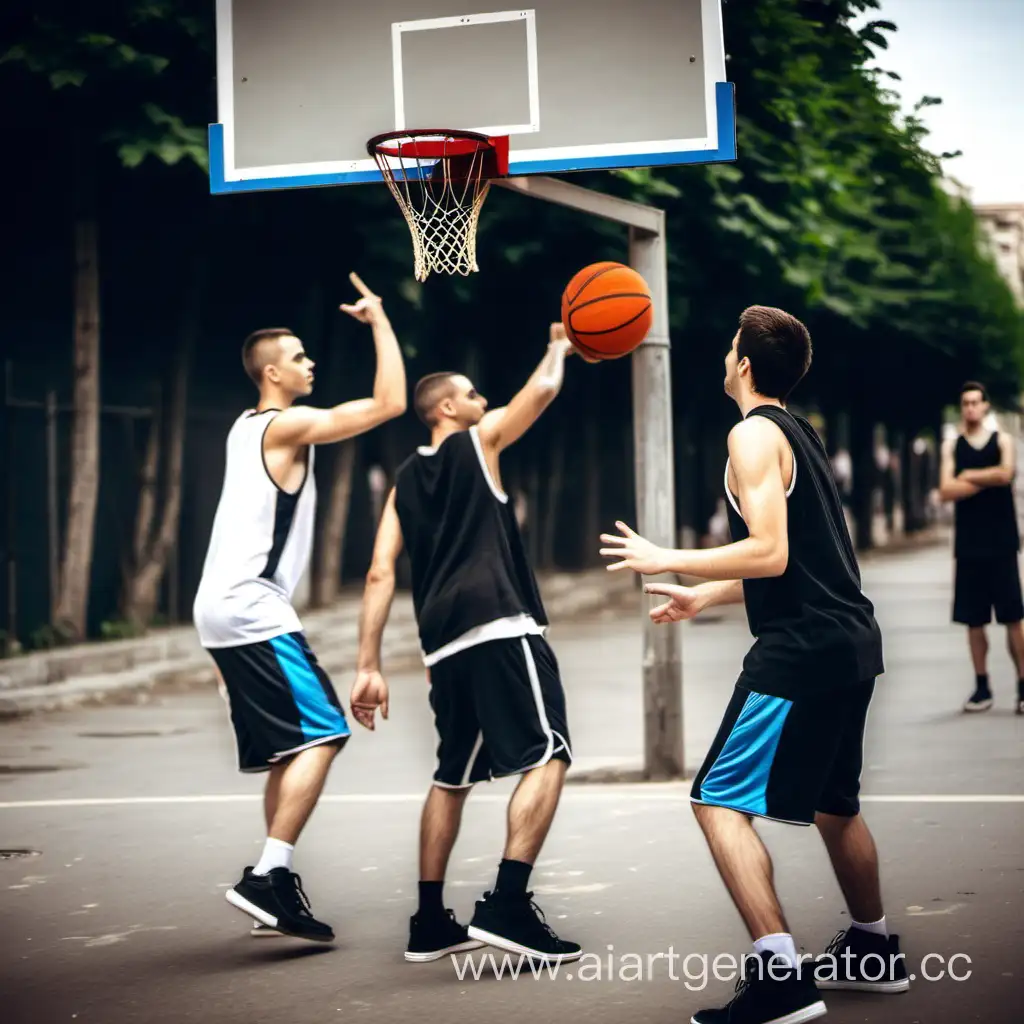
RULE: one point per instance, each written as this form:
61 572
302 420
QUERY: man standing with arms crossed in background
495 689
287 718
977 471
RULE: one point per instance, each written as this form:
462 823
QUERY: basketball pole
654 460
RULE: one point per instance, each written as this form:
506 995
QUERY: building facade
1003 223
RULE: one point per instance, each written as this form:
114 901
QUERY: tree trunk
909 484
72 604
153 544
862 444
331 542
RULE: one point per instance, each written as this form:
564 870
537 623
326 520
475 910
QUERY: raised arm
502 427
755 453
302 425
994 476
951 486
370 691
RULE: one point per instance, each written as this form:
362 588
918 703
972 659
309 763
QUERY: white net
440 197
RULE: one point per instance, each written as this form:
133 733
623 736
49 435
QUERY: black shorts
499 708
281 700
786 759
985 584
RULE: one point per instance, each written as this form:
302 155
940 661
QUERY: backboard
575 84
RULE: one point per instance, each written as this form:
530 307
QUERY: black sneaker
980 700
517 925
771 992
277 900
432 936
860 961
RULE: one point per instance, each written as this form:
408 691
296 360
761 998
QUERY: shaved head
262 348
430 392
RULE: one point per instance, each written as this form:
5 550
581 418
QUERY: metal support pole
653 452
656 508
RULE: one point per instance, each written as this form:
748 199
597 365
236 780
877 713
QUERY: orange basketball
607 310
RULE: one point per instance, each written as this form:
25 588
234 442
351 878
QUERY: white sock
276 854
878 927
780 944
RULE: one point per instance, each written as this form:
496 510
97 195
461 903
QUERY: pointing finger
357 282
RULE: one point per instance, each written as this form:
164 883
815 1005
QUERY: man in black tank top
497 698
977 473
790 745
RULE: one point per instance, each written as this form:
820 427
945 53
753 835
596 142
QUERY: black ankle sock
513 877
431 898
982 682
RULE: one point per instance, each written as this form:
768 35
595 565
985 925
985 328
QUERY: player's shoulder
756 430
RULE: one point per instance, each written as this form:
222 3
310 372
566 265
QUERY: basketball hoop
440 180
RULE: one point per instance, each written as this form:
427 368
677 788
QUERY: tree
160 478
106 71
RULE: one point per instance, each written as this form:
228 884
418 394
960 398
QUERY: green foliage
119 629
122 74
45 638
169 139
835 207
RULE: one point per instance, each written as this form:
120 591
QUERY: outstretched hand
366 308
369 692
683 602
557 335
634 552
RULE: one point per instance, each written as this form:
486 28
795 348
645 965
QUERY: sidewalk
87 673
123 669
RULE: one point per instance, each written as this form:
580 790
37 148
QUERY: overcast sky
971 54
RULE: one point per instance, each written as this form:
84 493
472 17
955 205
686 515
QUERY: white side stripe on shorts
542 715
472 758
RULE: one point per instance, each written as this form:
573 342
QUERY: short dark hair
778 347
973 385
251 358
431 390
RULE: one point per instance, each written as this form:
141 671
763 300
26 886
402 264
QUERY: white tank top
260 545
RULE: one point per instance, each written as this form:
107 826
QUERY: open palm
633 551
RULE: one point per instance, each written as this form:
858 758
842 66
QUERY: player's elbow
392 406
775 559
380 574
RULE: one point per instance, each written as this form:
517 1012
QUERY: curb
333 635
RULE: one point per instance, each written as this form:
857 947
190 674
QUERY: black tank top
986 524
468 561
814 626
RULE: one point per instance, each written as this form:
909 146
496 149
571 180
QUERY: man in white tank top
287 718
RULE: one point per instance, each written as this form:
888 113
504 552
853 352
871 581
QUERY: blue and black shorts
281 700
788 759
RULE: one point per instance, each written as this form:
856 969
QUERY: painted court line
670 793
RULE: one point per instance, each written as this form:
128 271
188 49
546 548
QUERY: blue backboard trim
725 104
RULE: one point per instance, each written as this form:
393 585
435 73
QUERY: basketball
607 310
